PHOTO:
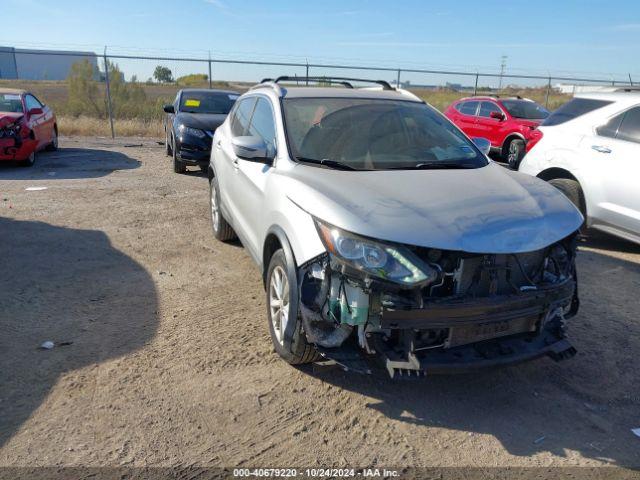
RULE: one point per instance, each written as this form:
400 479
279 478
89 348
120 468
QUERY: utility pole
210 79
106 78
503 66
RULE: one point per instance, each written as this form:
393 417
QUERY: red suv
508 123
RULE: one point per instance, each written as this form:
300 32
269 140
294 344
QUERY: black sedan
191 122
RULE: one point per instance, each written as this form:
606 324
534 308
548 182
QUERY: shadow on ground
67 286
587 404
69 163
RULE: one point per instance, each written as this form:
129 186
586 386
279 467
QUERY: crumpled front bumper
516 328
10 150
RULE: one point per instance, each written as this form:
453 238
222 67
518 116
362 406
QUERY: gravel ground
168 359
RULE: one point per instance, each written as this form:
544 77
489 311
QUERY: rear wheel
282 310
221 228
167 145
515 152
53 146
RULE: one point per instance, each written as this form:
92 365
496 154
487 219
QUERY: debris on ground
48 345
539 440
35 189
636 431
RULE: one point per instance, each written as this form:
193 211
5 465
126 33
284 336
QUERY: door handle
236 165
218 143
601 149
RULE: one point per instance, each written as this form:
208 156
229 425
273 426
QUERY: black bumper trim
464 312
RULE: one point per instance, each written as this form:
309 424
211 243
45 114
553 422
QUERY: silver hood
483 210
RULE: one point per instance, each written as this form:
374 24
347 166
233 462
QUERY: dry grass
90 126
55 93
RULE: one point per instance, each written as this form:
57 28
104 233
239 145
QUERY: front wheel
29 161
573 192
178 166
515 153
221 228
283 313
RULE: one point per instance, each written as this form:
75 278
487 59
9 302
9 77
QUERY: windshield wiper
326 162
436 166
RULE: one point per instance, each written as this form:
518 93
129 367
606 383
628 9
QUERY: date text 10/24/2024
316 472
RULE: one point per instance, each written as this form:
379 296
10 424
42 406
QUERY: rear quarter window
573 109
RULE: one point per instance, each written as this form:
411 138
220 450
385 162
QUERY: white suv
590 149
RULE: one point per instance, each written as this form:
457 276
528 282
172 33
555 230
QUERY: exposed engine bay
476 310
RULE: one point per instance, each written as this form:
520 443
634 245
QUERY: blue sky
582 37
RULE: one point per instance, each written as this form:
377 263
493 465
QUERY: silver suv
386 237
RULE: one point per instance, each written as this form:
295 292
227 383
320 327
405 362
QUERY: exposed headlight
191 131
389 262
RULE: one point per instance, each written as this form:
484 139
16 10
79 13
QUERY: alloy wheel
279 302
215 210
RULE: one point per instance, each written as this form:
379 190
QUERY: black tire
515 152
221 228
298 351
178 166
53 146
573 192
29 161
167 145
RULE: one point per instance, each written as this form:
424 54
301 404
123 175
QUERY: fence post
546 97
630 81
106 78
210 80
307 74
398 80
475 87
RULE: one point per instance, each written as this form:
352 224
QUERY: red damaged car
26 126
510 124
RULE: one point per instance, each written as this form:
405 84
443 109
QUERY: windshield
10 102
207 102
370 134
525 109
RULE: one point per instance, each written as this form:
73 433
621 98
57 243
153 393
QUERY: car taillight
534 137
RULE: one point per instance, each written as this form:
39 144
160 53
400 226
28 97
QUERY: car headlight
389 262
191 131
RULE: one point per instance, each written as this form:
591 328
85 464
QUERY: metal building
27 64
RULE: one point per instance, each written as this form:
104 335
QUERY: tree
84 95
162 74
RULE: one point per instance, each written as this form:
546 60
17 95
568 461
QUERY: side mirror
169 108
36 111
253 149
497 115
483 144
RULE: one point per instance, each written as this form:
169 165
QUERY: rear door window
573 109
241 116
487 107
468 108
630 127
610 129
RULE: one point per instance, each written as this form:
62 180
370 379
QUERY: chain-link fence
123 94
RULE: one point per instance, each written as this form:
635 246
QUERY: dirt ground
169 360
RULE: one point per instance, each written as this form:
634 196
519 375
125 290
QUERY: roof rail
344 81
628 88
497 95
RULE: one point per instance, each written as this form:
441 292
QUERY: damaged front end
16 141
418 310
